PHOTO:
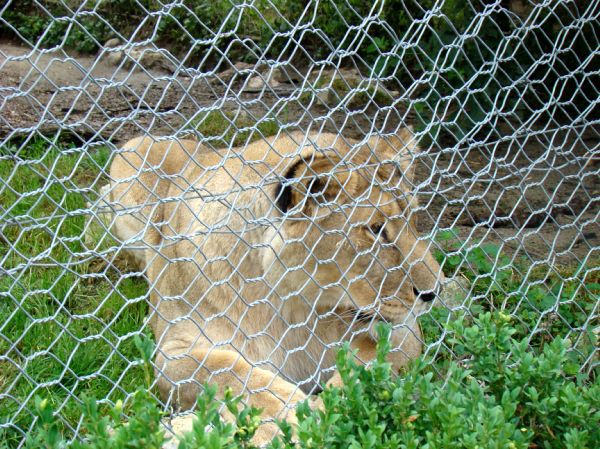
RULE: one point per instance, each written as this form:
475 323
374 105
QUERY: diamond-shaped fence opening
300 172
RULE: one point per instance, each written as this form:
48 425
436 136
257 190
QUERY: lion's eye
379 231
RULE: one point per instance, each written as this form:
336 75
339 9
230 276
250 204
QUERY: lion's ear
310 182
400 148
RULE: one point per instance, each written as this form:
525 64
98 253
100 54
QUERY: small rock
112 43
150 58
287 74
238 67
455 291
351 76
115 57
273 82
255 83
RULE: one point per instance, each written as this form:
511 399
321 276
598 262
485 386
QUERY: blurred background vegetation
463 65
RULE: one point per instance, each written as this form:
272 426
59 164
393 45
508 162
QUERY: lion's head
348 239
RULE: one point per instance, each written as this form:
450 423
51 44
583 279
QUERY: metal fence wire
299 171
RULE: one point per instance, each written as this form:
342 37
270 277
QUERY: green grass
545 301
226 128
66 316
331 91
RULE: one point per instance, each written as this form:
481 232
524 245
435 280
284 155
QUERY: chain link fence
307 169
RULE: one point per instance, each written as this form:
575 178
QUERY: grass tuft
230 129
355 93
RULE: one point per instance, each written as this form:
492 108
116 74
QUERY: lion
262 260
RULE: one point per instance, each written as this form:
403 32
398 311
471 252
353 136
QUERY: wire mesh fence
251 184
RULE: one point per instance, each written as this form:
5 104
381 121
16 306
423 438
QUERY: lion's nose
427 296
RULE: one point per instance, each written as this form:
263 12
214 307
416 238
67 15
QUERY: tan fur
257 299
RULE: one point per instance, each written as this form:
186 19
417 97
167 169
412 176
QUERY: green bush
55 25
499 393
546 301
476 66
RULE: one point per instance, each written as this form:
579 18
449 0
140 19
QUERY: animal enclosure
477 120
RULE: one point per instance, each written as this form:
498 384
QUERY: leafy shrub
476 65
498 393
55 25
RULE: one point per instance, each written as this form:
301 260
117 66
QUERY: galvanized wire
509 157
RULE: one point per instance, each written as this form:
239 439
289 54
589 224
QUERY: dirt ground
533 190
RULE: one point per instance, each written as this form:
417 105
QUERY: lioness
261 260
